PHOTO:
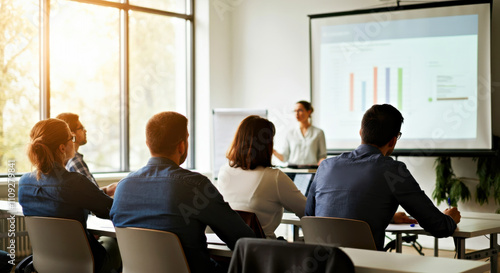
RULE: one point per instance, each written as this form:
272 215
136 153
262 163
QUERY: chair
252 221
340 231
59 245
253 255
149 250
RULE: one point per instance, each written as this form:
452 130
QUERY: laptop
302 181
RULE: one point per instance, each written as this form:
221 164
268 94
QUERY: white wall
268 45
259 58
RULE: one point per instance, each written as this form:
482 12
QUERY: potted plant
449 188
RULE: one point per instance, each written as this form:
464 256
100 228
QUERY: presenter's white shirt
263 191
305 149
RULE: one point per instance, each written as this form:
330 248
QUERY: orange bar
375 72
351 92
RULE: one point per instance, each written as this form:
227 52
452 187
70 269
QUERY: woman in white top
249 183
304 144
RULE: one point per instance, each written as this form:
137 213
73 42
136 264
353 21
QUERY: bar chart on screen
422 85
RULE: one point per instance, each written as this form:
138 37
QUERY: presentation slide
434 69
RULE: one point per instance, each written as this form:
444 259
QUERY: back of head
380 124
164 131
253 144
45 138
71 119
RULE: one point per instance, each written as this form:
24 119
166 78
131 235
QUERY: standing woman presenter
304 144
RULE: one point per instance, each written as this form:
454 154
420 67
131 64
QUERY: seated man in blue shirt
366 184
164 196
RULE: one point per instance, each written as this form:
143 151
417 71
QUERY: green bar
400 89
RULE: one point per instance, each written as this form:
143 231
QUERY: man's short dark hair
164 131
71 119
380 124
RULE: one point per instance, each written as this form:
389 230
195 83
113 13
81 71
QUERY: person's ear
62 148
360 130
392 142
181 147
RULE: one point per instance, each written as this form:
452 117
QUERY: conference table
471 225
365 261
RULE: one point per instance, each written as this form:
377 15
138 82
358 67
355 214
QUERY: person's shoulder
316 129
226 168
190 177
74 177
273 170
295 129
27 178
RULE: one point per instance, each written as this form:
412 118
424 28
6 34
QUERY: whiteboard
225 124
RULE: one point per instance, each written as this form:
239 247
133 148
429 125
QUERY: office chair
252 221
59 245
149 250
252 255
339 231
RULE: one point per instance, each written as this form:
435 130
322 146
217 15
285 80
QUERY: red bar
351 92
375 85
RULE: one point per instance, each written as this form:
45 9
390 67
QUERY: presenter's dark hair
380 124
43 149
71 119
164 131
307 105
253 144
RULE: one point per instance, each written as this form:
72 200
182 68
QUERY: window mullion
124 92
44 59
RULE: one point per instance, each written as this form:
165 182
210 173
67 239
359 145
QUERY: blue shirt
64 194
366 185
164 196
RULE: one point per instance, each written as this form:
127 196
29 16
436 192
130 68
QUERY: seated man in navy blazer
366 184
164 196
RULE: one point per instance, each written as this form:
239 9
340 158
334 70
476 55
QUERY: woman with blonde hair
51 191
250 183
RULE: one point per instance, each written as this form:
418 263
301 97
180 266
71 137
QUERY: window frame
124 8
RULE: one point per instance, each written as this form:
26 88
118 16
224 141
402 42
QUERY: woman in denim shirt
51 191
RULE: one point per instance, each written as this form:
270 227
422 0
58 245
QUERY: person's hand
402 218
278 155
110 189
454 214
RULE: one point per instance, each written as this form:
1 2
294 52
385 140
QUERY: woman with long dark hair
250 183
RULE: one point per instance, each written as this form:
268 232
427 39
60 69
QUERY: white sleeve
290 197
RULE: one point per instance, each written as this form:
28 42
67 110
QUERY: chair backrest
253 255
59 245
252 221
149 250
339 231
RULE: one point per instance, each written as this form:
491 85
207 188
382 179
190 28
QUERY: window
115 64
157 75
85 78
19 80
178 6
